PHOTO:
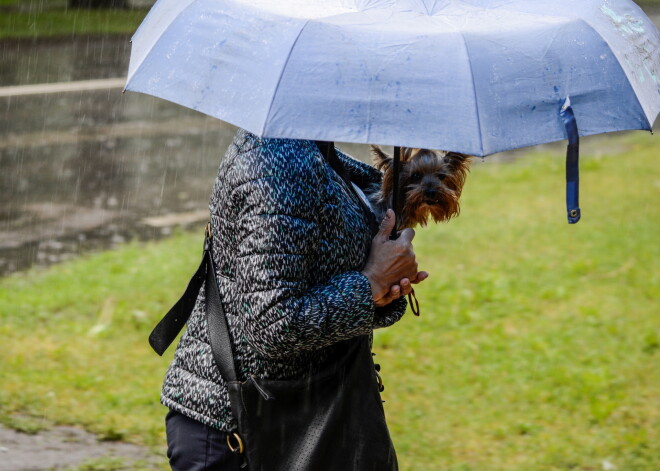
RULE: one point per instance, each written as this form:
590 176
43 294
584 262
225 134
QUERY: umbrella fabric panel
519 97
218 60
630 34
362 78
161 15
165 12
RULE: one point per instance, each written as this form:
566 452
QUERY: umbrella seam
279 80
474 90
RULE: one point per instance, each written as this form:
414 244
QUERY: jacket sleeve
277 247
387 315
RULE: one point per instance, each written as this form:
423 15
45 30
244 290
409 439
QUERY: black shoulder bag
333 420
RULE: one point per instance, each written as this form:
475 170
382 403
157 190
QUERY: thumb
386 225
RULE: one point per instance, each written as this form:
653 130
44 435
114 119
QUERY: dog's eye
416 177
442 176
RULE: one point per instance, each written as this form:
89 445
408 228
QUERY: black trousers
193 446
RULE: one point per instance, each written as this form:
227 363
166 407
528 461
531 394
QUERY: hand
391 264
402 289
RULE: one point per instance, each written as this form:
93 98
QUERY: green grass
33 4
53 19
537 349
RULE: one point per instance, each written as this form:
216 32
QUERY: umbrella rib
279 80
474 90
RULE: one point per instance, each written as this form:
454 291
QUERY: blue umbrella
472 76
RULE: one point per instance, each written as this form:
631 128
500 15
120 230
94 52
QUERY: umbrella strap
396 196
572 163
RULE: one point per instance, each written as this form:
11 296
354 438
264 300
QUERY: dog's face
431 180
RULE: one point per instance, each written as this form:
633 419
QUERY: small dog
431 182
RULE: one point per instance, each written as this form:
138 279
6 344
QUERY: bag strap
171 324
217 321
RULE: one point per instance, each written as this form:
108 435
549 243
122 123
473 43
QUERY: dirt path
65 448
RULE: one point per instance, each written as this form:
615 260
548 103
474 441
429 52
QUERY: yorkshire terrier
431 182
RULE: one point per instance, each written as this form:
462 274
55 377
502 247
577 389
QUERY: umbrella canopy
473 76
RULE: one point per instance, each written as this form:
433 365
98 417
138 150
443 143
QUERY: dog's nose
431 193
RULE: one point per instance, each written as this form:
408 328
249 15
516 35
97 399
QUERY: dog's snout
430 192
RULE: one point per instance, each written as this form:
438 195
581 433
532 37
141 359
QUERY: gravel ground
64 448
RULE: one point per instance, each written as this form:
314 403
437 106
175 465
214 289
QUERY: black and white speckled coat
290 241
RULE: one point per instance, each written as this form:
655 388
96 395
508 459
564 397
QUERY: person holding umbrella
303 269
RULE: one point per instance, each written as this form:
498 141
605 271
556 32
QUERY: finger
386 225
421 276
393 293
406 289
405 286
406 235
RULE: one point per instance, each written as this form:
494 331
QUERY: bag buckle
237 447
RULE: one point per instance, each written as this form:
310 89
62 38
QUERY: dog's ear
382 161
457 160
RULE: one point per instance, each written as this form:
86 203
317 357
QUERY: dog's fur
431 182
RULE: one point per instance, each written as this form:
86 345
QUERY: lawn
537 348
51 18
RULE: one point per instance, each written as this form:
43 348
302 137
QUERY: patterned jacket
290 240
